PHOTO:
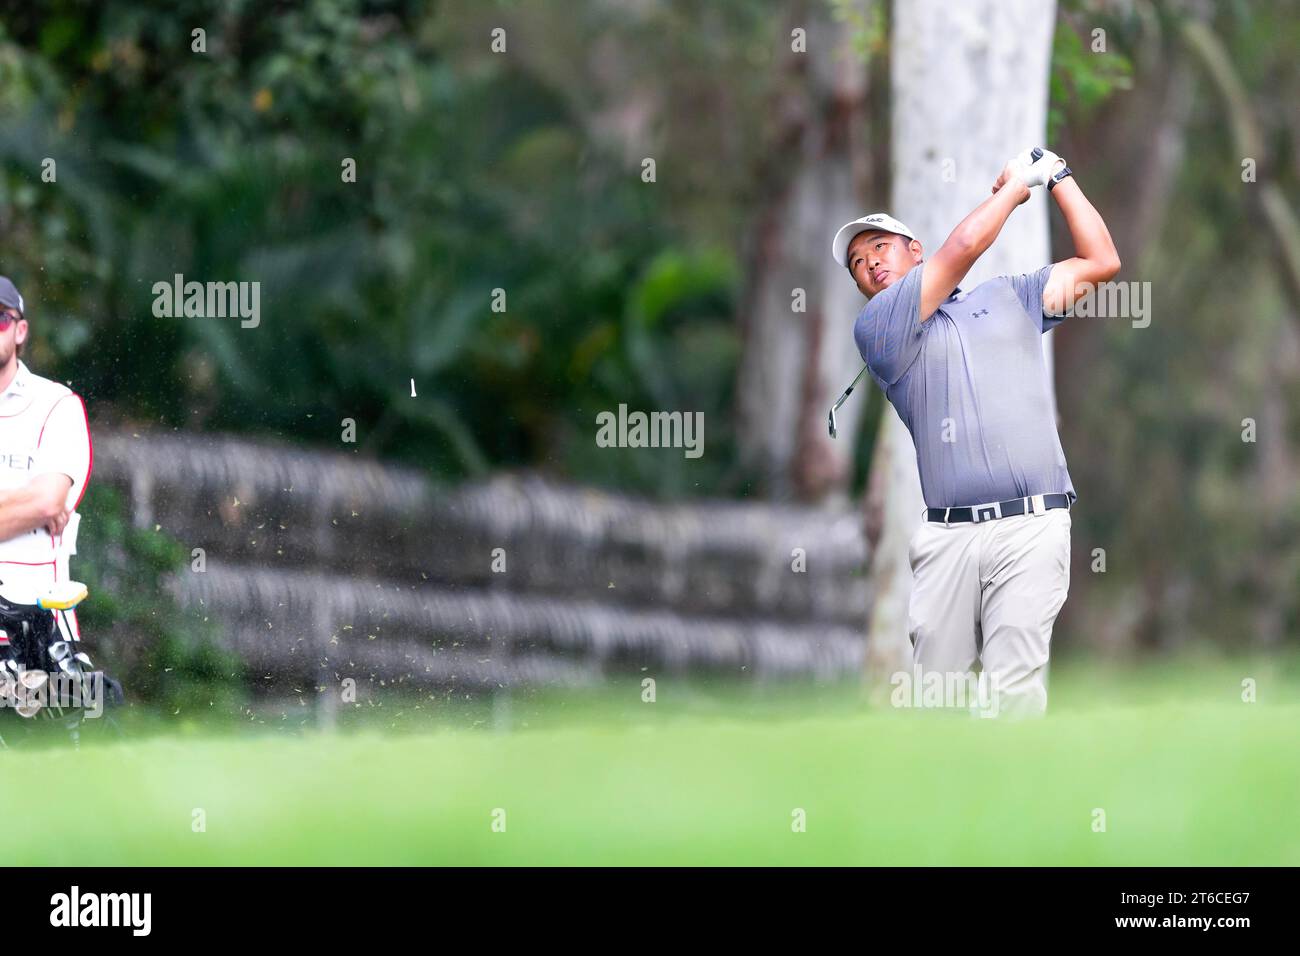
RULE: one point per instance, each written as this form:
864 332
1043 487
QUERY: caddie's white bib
43 430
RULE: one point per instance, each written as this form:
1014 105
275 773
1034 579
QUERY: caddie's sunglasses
8 317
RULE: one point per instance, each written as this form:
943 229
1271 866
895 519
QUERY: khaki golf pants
990 591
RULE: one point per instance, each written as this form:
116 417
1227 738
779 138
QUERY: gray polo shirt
971 386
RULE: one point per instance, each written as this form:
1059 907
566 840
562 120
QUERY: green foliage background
228 166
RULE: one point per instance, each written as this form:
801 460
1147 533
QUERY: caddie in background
45 463
965 371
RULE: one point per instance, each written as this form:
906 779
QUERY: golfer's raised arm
968 242
1095 258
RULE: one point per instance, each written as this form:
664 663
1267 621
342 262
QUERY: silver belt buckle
986 512
1039 504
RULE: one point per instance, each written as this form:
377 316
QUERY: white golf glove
1035 172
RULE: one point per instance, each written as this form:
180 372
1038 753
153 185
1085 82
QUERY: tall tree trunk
794 363
970 85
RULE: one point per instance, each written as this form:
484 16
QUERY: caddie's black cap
9 296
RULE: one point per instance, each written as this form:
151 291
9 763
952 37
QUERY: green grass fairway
1195 777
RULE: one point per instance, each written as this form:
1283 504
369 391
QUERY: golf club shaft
852 385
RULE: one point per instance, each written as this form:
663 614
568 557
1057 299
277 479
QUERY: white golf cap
877 221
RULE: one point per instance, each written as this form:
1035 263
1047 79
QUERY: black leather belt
998 509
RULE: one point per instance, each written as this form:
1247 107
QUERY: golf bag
45 671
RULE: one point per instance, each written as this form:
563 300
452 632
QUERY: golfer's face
877 260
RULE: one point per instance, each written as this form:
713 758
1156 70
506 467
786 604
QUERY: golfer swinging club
965 372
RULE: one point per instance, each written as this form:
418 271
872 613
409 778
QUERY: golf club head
28 709
831 423
33 680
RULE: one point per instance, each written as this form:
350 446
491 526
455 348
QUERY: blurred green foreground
1185 772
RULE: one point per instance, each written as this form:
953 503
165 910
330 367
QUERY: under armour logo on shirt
980 312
